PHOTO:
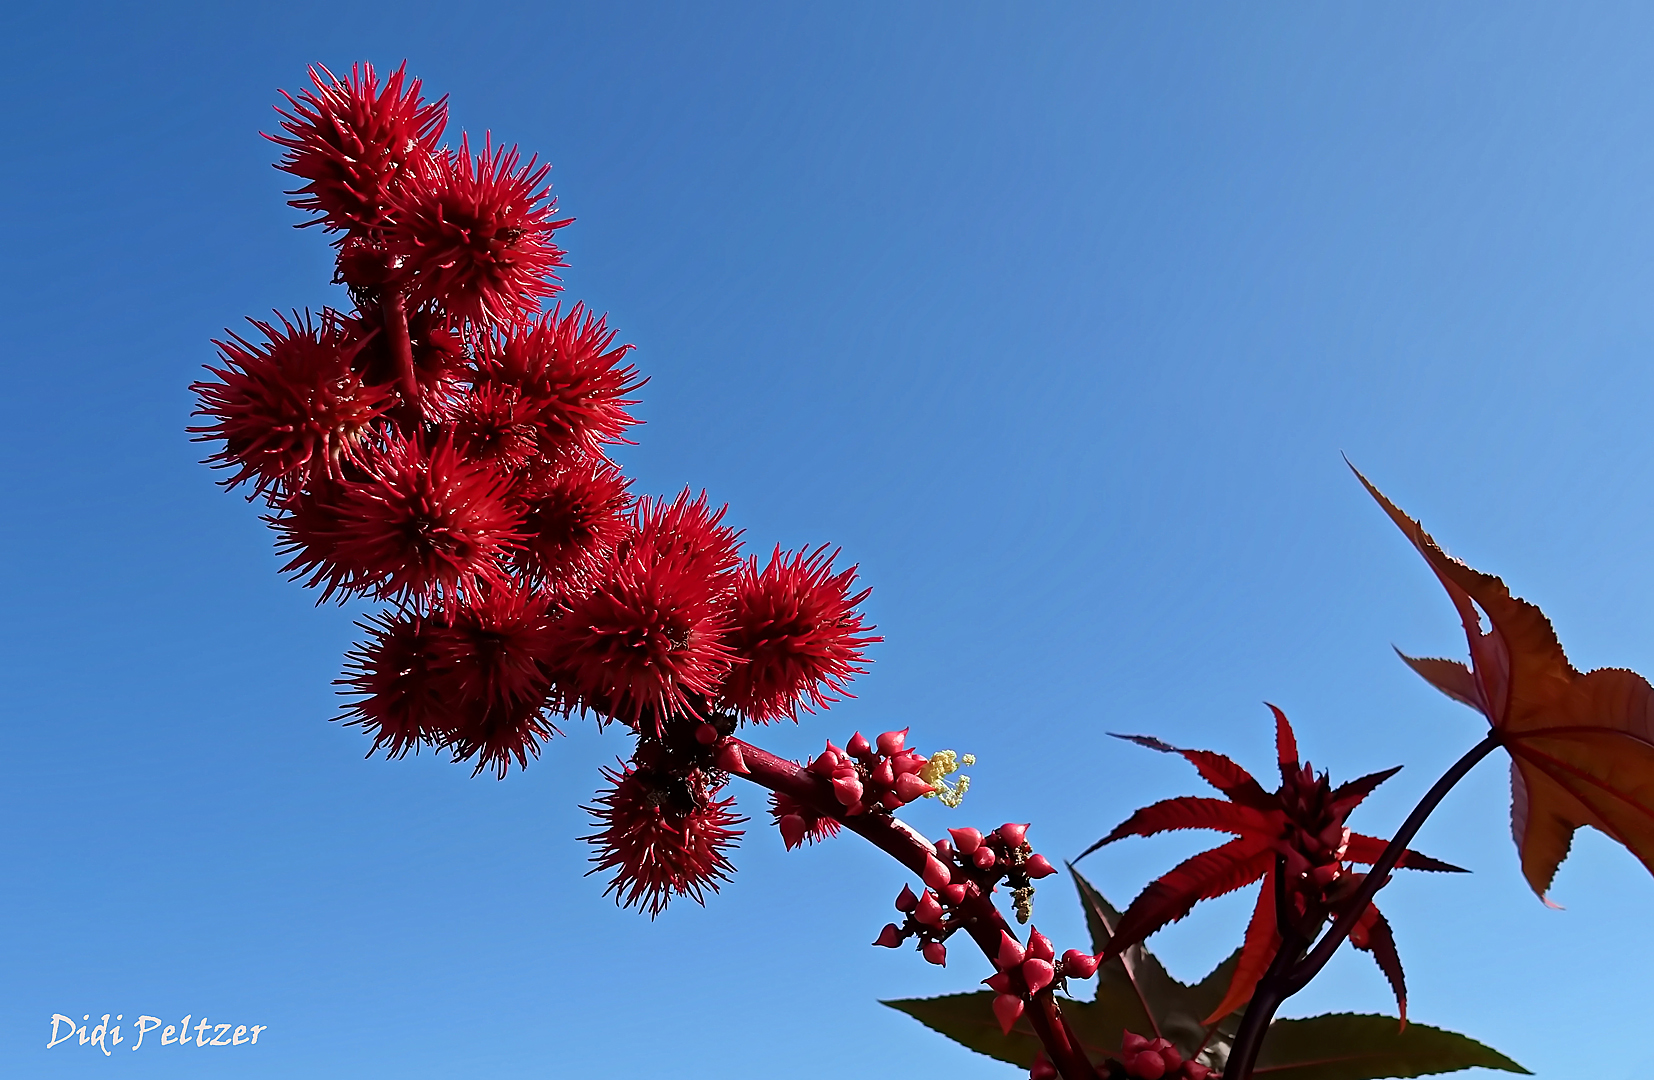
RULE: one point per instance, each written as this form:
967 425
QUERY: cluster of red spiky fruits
442 447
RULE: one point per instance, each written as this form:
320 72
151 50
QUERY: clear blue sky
1056 317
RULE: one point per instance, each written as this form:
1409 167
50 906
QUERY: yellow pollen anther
942 764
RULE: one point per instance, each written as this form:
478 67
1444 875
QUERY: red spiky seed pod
477 233
647 639
661 843
423 522
397 677
796 627
572 518
567 367
290 407
355 142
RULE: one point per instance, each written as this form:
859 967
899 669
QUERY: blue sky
1058 320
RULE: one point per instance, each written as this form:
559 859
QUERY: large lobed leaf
1581 745
1354 1046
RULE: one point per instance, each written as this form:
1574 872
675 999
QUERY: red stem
899 840
394 306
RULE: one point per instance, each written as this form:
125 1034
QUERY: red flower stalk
572 518
647 639
663 836
422 523
1302 823
289 408
477 233
569 370
355 143
796 626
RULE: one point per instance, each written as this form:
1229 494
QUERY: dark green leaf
1350 1046
969 1019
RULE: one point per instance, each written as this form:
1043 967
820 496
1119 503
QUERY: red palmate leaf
1301 824
1581 745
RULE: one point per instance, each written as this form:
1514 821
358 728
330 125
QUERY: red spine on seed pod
1037 974
936 953
891 742
889 937
1038 867
1007 1007
1078 965
909 787
1010 953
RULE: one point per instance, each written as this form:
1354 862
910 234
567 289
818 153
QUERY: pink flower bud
929 911
1007 1007
1039 946
967 839
891 742
907 761
706 734
792 828
1038 866
1078 965
890 801
936 953
953 894
835 751
1194 1070
889 937
984 858
855 809
1168 1053
730 759
847 790
943 849
883 774
910 787
1133 1042
1012 834
1043 1069
858 745
1147 1065
1037 974
1010 953
905 900
936 872
999 982
824 764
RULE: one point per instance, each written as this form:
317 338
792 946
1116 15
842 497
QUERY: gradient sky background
1056 318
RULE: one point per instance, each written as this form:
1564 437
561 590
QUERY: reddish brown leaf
1366 850
1170 896
1188 812
1582 745
1263 941
1286 744
1217 770
1372 934
1349 796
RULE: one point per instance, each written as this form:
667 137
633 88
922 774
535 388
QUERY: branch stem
394 306
981 919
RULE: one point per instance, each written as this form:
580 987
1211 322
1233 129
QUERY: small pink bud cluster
1001 854
1157 1059
869 776
1026 970
927 919
1315 840
727 749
